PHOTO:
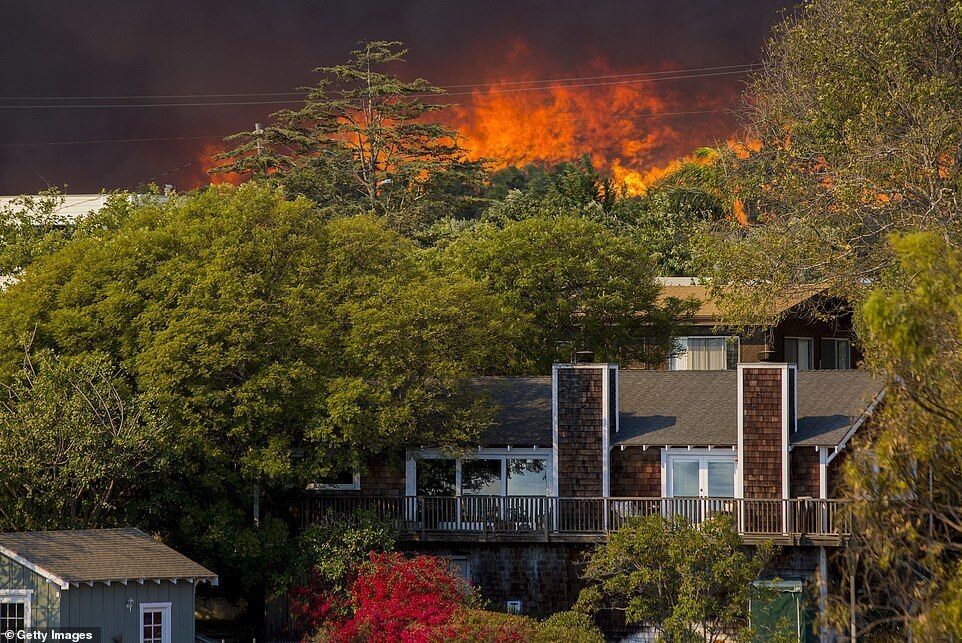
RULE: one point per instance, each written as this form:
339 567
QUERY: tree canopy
855 132
264 331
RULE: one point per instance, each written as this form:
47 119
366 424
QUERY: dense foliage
262 331
906 480
675 576
856 131
80 448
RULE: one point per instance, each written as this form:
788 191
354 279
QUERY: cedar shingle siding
579 431
636 472
762 433
804 472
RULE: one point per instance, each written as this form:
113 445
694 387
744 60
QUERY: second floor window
800 350
836 353
705 354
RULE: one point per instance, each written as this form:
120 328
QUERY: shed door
155 623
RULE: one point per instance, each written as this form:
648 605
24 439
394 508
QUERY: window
481 477
799 350
155 623
436 477
836 353
513 607
705 354
461 568
492 472
14 610
346 480
527 477
711 476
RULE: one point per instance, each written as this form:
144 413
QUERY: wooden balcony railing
552 516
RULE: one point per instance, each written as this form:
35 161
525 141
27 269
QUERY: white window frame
836 340
502 454
680 362
670 455
354 485
811 352
25 596
166 621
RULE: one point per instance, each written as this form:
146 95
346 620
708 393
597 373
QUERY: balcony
551 519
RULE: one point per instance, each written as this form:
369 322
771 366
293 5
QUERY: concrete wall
45 601
106 607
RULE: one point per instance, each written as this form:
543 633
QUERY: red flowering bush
400 599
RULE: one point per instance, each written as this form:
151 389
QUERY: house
573 455
122 581
814 332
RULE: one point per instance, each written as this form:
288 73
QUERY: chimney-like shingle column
581 422
763 429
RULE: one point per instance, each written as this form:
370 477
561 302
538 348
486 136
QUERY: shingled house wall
804 472
580 447
636 472
762 432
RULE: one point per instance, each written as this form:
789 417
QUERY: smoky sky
140 47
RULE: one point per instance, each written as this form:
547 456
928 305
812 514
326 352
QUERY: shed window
14 610
155 623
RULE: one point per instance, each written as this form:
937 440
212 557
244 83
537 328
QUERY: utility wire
497 84
222 136
439 96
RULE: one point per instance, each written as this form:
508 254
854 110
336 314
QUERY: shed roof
524 410
99 555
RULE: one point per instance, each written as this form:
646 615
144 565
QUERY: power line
449 94
221 136
156 139
496 84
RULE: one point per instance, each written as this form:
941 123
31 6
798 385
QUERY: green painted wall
45 600
106 607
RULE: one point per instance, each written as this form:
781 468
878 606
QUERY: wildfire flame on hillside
628 129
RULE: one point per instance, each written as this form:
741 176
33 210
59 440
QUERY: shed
132 587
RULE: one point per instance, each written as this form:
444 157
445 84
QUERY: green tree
675 576
904 477
79 447
264 331
584 286
365 139
857 116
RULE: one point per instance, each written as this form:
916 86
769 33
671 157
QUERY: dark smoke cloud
95 48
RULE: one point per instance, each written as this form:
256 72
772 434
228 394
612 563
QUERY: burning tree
364 139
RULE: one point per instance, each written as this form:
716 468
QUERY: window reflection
481 477
527 477
436 477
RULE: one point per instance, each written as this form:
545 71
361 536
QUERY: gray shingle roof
524 410
700 407
683 407
99 555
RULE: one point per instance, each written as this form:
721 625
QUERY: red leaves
392 598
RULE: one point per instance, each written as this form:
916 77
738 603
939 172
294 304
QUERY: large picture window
492 472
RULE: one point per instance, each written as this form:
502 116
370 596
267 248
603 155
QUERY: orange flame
207 163
626 129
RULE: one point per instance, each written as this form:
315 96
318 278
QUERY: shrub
573 627
401 599
328 556
481 626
